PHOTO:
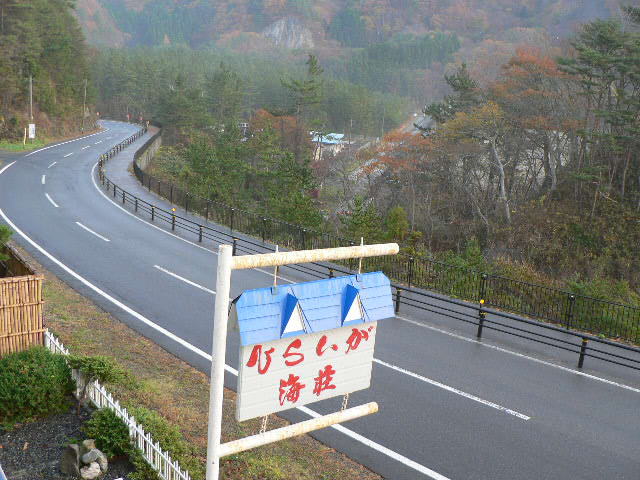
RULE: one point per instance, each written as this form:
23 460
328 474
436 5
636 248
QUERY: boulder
90 456
70 463
87 445
102 461
90 472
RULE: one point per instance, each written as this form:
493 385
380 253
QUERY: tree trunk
501 181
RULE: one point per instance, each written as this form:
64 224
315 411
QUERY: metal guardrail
578 315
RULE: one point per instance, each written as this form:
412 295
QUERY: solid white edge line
185 280
454 390
350 433
380 448
460 337
52 164
68 155
51 200
44 179
64 143
520 355
91 231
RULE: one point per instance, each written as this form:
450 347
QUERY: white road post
220 319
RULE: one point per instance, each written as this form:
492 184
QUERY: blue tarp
263 313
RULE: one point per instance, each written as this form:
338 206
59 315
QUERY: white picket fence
157 458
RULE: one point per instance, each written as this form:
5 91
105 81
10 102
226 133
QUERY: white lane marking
51 200
44 179
64 143
68 155
521 355
84 148
380 448
454 390
185 280
52 164
586 375
93 179
91 231
98 142
356 436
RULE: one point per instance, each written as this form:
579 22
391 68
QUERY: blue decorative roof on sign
267 314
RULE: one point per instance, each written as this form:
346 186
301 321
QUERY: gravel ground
32 451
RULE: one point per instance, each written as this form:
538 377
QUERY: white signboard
32 130
297 370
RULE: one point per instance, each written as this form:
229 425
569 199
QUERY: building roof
271 313
328 138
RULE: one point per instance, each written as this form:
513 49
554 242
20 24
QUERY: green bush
5 234
33 383
109 431
170 439
144 471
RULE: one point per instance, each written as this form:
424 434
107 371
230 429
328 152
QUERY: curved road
450 407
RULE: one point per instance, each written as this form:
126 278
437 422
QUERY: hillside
40 39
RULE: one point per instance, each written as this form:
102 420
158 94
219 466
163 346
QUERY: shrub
109 431
33 383
170 439
5 234
103 369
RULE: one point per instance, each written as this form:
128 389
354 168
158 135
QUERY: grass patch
180 394
20 147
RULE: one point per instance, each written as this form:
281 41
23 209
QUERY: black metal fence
564 308
577 317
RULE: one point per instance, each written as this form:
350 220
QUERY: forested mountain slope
40 39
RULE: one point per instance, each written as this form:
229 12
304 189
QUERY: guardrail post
136 204
153 212
331 273
232 215
569 314
173 222
583 351
410 273
481 318
264 228
483 286
123 197
114 190
235 246
200 234
397 300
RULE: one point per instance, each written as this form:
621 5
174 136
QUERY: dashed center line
44 179
193 284
98 142
84 148
52 164
51 200
68 155
92 232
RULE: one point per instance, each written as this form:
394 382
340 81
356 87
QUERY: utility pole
84 103
31 98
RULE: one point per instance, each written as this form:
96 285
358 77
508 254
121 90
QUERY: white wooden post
221 314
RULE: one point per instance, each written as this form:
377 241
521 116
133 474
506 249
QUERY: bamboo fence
21 318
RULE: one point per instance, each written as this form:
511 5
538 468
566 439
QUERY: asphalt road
450 407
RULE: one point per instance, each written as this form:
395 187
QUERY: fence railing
153 453
576 316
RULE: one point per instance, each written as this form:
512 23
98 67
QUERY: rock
90 456
87 446
90 472
70 463
102 461
289 32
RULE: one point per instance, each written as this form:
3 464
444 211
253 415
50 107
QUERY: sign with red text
293 371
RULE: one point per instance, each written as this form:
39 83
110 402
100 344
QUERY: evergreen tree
362 221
